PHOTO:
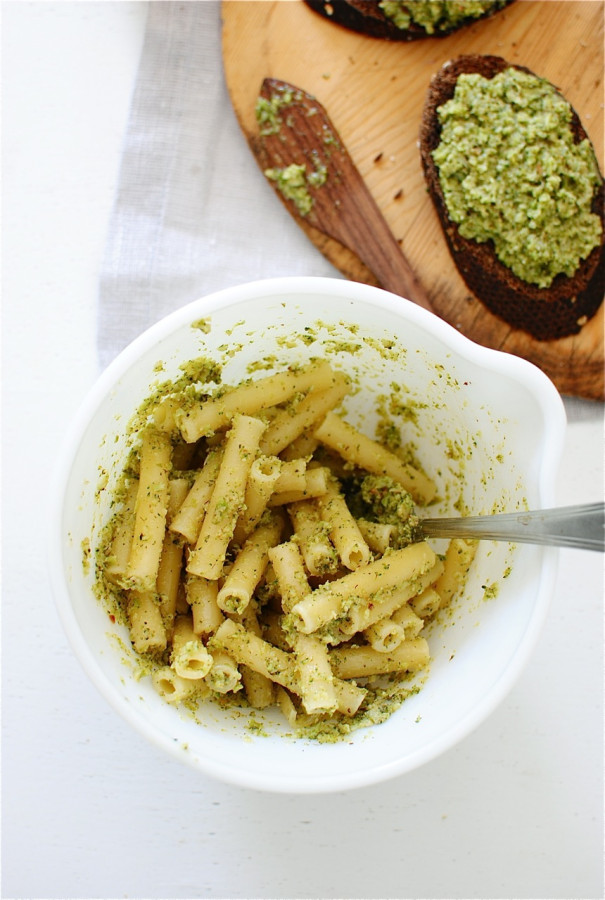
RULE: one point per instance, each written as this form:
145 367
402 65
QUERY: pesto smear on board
294 181
436 15
268 109
511 173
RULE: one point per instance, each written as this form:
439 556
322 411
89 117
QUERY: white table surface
89 808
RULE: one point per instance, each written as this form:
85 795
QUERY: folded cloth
193 213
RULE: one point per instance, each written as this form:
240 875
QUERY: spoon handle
582 527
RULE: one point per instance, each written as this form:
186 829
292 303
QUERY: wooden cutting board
373 90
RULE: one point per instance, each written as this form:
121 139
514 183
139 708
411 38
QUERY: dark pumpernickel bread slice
366 17
545 313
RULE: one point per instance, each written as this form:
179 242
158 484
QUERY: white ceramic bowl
488 427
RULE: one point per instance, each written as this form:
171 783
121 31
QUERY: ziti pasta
262 554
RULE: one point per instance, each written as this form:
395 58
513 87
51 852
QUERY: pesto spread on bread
511 172
436 15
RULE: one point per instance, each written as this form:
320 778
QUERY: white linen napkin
193 213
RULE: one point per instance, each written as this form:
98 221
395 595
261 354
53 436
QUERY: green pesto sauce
490 591
379 705
379 498
350 347
294 182
511 174
436 15
204 325
268 109
401 405
190 386
257 728
86 554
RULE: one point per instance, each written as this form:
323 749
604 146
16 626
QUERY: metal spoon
582 527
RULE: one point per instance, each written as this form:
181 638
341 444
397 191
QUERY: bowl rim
518 369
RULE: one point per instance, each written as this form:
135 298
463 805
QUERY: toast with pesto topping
516 185
406 20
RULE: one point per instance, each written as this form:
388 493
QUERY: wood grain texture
374 90
341 206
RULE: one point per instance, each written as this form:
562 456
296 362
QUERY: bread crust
545 313
366 17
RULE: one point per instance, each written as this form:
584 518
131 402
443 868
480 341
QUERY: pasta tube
377 535
288 425
259 689
252 651
426 603
169 569
201 596
227 497
264 475
385 635
174 689
302 448
364 661
349 696
248 567
286 705
147 631
366 611
343 529
411 623
330 600
312 536
315 484
187 521
458 558
169 578
150 511
250 398
189 658
290 572
368 454
316 678
224 677
116 564
292 475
